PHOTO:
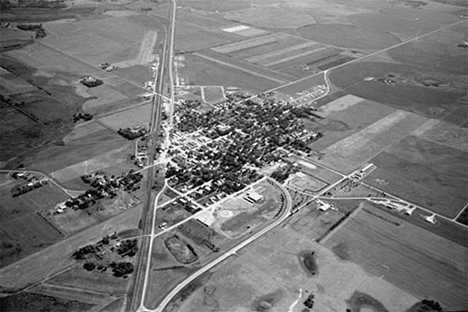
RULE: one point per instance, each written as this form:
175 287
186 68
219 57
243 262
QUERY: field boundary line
239 68
294 57
366 56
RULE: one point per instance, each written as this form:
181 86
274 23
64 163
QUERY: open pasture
269 17
54 258
406 23
214 5
77 277
348 36
438 51
270 270
344 117
353 151
109 39
405 255
40 56
426 101
137 116
203 71
429 174
25 235
189 38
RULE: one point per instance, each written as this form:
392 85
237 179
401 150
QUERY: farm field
444 133
189 38
426 173
353 151
405 255
75 294
11 84
29 302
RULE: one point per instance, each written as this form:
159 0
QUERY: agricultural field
423 172
403 254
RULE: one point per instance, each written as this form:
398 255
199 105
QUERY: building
253 197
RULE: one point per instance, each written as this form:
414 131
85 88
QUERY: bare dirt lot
405 255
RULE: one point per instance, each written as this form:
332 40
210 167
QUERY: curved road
286 212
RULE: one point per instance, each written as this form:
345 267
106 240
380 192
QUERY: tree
89 266
122 269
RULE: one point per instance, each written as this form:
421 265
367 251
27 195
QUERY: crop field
353 151
54 258
25 235
214 5
405 255
230 48
213 94
207 72
76 294
427 173
278 56
77 277
269 270
90 165
41 56
268 17
348 36
245 31
137 116
345 117
145 54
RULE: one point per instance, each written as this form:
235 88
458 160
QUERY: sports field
405 255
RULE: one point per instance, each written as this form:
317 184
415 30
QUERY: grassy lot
425 173
213 94
405 255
